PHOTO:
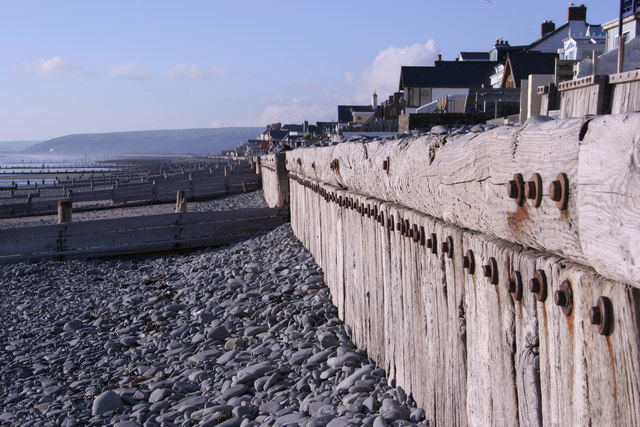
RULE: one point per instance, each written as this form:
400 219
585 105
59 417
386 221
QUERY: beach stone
234 391
252 372
107 401
218 333
73 326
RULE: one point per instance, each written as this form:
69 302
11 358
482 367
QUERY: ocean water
14 165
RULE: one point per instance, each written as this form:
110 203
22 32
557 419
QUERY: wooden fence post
181 202
65 207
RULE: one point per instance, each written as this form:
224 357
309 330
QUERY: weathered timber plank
609 197
587 378
463 179
491 383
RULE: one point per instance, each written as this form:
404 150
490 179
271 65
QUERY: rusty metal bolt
512 189
407 228
563 297
555 191
299 161
432 243
385 165
601 315
533 189
399 225
415 233
447 247
559 191
490 271
515 189
514 285
468 262
538 285
423 236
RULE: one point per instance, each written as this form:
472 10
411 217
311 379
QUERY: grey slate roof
448 74
525 63
474 56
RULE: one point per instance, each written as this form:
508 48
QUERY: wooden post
29 199
244 187
65 208
181 202
227 171
154 191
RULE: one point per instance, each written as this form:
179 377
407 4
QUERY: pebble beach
242 335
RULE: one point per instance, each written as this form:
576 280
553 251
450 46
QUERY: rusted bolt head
468 262
486 270
602 315
514 285
490 271
563 297
423 236
512 189
538 285
432 243
385 165
530 190
534 285
555 191
447 247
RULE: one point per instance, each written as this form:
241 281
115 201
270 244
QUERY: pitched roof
293 128
474 56
561 28
344 111
524 63
448 74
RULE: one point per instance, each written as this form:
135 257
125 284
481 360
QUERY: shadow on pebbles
237 336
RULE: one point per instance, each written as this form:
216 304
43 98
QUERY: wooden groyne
495 275
154 183
136 235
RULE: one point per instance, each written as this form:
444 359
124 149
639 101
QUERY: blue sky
99 66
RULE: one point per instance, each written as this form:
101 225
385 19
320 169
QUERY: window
414 97
418 96
425 95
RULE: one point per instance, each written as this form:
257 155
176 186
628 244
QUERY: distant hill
14 146
179 141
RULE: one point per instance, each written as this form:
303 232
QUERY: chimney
578 13
374 101
439 57
547 27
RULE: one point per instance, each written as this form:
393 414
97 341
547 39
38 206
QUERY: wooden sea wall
473 349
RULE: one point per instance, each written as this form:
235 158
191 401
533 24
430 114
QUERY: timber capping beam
589 216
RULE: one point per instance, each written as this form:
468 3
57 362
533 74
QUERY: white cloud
348 77
299 109
195 72
384 73
58 65
132 70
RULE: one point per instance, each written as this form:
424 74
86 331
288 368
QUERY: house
345 112
630 26
577 47
422 85
357 113
519 66
552 40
